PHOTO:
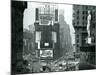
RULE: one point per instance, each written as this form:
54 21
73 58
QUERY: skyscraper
80 15
47 33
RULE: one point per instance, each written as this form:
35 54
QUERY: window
77 36
83 12
86 12
84 29
77 41
86 7
77 45
86 18
83 17
86 23
77 11
83 23
83 7
77 22
77 17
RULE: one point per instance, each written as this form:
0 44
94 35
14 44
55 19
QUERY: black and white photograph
52 37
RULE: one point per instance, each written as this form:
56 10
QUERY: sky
29 16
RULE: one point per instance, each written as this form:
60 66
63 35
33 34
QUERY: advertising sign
46 53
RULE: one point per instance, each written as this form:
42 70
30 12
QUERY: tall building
65 36
47 33
80 14
17 11
28 41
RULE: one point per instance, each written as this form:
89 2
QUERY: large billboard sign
45 19
46 53
46 14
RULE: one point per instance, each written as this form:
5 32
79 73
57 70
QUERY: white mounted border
5 38
80 2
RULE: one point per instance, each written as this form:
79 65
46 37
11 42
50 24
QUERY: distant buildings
28 41
65 36
80 13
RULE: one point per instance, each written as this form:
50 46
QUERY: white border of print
86 2
5 37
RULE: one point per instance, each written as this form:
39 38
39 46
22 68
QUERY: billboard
46 14
46 53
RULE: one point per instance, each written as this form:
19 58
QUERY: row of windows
82 30
84 7
83 12
77 23
83 18
78 44
84 23
88 7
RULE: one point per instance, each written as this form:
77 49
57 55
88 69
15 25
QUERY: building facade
47 33
80 14
17 10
